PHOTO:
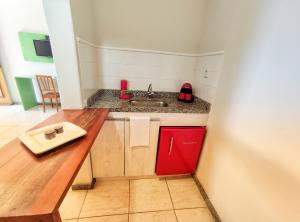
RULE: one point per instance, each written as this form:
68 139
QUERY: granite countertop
108 98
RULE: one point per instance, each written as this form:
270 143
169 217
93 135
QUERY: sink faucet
150 93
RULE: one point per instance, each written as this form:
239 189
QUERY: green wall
26 91
26 41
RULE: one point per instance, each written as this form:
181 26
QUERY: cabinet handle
171 146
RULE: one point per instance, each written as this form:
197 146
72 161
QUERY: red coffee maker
186 93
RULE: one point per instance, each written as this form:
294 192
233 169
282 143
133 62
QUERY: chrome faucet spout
150 88
150 93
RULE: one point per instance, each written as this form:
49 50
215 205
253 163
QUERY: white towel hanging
139 131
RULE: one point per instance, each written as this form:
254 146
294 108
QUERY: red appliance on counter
179 150
186 93
124 93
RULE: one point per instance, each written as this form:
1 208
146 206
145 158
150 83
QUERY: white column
59 19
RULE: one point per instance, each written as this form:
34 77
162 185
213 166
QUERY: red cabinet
179 149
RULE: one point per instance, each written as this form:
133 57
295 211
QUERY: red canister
124 84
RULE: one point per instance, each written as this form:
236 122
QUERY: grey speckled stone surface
109 98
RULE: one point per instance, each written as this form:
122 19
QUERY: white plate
35 139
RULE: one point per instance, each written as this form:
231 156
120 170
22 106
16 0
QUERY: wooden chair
47 90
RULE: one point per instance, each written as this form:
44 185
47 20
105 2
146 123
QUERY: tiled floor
143 200
14 120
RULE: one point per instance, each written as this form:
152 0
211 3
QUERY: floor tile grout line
69 219
129 202
82 205
171 199
141 212
106 215
146 178
138 212
191 208
170 194
151 211
206 199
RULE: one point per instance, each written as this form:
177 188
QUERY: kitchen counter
32 188
109 99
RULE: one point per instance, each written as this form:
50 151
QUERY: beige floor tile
14 131
159 216
3 129
114 218
185 194
194 215
72 220
14 121
72 204
149 195
107 198
15 115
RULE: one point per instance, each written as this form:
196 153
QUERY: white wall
169 25
218 15
140 68
207 76
84 19
165 72
250 163
59 19
166 65
105 67
89 70
16 16
84 26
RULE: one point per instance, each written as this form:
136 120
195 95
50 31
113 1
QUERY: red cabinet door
179 150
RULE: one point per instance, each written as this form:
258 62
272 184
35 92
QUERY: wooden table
32 188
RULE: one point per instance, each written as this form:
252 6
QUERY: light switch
205 74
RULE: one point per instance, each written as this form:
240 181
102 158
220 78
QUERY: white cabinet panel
84 177
108 150
140 161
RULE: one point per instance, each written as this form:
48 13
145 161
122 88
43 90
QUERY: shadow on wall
256 178
89 69
249 164
231 75
242 35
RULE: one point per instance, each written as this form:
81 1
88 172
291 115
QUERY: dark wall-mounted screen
43 47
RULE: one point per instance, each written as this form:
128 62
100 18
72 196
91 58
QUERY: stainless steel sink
156 103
